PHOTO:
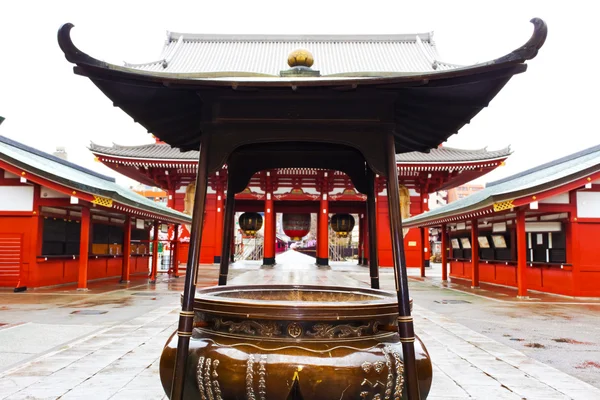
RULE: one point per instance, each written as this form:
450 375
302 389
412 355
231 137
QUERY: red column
154 254
219 225
84 248
176 251
474 254
274 230
444 254
425 234
269 239
361 238
323 230
422 248
126 266
521 254
366 240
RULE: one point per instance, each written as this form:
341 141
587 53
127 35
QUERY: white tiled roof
254 54
166 152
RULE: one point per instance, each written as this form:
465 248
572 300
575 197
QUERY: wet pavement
484 343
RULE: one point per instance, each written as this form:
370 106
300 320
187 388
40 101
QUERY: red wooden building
535 230
61 223
296 190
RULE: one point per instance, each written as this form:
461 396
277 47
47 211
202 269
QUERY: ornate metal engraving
215 382
207 382
200 378
294 330
250 378
262 377
209 389
340 331
390 376
255 328
378 367
399 376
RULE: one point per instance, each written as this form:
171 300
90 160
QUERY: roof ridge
50 157
217 37
570 157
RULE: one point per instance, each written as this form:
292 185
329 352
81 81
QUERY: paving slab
120 359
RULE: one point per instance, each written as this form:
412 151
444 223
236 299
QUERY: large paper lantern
250 223
342 224
296 226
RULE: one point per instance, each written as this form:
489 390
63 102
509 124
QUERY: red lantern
296 226
342 224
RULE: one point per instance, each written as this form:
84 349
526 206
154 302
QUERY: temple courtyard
60 343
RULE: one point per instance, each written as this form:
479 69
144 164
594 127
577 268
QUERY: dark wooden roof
292 121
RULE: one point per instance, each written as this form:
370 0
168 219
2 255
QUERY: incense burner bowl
294 342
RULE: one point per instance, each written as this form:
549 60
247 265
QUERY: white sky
545 113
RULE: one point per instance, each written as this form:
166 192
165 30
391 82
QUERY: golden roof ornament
300 62
301 58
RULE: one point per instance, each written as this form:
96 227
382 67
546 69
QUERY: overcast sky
547 112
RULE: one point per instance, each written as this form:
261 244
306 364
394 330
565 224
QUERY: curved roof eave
526 52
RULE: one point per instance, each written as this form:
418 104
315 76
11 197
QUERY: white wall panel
562 198
16 198
588 204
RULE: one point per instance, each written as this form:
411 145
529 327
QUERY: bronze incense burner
295 342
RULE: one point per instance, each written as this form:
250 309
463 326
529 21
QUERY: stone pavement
117 357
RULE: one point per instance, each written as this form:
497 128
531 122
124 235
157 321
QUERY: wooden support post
126 265
176 251
422 250
84 248
269 239
154 268
474 254
521 254
367 240
186 316
227 235
444 254
361 238
405 321
323 229
372 220
219 225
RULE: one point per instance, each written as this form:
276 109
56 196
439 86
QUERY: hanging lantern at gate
342 224
296 226
250 223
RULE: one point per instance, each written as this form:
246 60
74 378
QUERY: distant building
61 153
152 193
463 191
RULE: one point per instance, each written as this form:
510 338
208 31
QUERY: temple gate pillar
219 224
474 254
521 254
361 239
444 254
126 266
366 240
84 249
176 251
423 249
269 239
323 227
154 253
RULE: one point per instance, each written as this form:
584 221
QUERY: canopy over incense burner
316 114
